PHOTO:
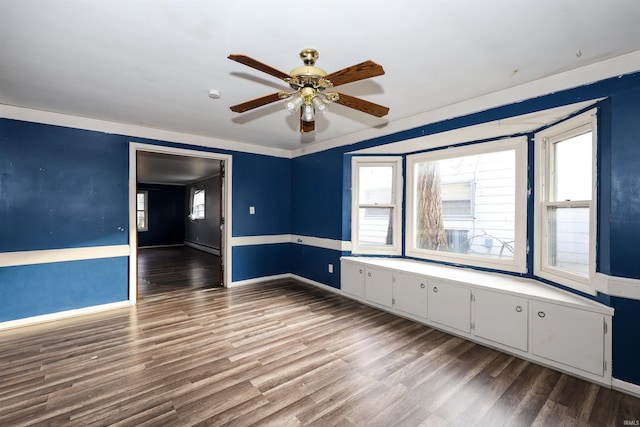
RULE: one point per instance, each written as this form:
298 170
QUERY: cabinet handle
541 314
360 271
518 309
435 289
422 285
369 274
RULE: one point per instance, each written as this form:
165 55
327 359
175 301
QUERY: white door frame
134 148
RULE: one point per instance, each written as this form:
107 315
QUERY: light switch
252 210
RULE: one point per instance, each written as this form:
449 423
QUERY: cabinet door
377 286
450 305
352 278
501 318
410 294
568 335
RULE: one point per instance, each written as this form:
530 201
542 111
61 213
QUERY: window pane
453 218
572 168
141 219
140 198
568 239
376 185
198 204
375 227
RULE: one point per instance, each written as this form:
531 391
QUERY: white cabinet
366 282
501 318
450 305
521 316
352 278
570 336
410 294
378 287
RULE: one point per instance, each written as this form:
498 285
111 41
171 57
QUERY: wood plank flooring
278 354
177 267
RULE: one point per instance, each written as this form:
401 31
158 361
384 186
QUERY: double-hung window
197 208
376 214
565 202
468 205
198 204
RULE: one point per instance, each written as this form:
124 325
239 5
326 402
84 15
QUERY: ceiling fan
310 88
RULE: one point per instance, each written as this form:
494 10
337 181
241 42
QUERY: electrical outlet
252 210
330 268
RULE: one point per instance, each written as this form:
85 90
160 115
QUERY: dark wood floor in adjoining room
278 354
168 269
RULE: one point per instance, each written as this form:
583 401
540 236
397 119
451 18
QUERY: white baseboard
260 280
625 387
317 284
34 320
161 246
203 248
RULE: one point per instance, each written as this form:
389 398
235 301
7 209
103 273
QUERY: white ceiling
161 168
152 63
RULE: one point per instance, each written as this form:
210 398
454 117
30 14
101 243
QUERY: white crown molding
58 119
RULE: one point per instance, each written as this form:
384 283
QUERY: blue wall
68 188
166 215
33 290
264 183
61 188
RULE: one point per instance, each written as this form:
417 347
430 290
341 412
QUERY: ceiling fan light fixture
293 103
319 104
308 113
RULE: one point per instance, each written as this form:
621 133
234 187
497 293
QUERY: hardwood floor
278 354
176 267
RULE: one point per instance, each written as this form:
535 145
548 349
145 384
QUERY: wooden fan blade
362 105
255 103
306 126
361 71
253 63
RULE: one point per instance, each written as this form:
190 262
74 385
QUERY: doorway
166 166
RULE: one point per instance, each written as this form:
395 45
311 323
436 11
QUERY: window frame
397 189
519 262
196 213
562 131
146 210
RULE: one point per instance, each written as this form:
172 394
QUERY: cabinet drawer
501 318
